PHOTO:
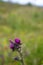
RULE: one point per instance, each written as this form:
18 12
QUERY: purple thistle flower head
17 41
11 45
15 45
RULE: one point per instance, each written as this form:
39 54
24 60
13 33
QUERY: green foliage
25 23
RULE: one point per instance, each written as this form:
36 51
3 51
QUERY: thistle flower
11 45
17 41
16 45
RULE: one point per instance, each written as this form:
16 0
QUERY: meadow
26 23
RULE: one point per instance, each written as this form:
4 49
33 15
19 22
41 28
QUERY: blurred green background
26 23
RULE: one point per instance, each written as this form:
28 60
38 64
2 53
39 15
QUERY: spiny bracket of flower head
15 45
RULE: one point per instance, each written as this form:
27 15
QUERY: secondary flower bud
11 45
16 58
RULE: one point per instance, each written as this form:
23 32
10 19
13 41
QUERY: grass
26 23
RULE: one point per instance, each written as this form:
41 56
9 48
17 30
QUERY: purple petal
11 45
17 40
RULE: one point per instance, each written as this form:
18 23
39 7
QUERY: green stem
21 57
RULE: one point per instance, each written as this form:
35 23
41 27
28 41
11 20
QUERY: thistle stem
21 57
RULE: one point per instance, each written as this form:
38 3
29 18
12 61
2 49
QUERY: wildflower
11 45
17 41
16 45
